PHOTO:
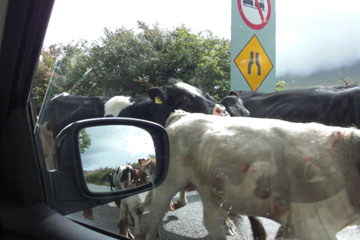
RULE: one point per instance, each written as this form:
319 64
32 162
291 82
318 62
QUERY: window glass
95 50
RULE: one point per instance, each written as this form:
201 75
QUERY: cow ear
157 95
173 81
209 97
233 93
234 106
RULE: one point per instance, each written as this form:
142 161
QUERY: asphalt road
186 223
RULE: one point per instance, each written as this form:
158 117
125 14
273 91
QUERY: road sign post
253 45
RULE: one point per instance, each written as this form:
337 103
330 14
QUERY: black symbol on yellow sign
253 63
256 62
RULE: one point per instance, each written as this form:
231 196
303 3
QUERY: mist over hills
323 77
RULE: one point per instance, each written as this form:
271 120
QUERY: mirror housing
70 190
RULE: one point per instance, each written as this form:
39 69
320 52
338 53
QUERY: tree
128 62
58 63
84 140
44 72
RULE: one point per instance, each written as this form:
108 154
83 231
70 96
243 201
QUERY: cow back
64 109
335 106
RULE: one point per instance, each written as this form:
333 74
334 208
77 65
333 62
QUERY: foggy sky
310 35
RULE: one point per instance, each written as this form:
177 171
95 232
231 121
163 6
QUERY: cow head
162 102
148 167
140 177
127 178
180 95
131 177
234 105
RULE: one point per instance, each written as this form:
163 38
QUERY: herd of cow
125 177
285 167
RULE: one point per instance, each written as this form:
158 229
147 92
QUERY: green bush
99 176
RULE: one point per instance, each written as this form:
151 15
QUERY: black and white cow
334 106
305 176
183 96
64 109
126 177
59 112
161 102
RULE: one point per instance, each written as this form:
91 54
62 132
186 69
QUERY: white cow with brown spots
304 176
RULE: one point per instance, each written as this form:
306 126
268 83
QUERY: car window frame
25 206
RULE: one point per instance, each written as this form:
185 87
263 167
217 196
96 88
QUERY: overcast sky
113 146
310 34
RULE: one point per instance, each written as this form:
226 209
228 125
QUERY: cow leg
148 200
132 222
257 228
137 214
239 223
214 218
229 227
181 201
289 231
123 221
136 210
286 231
160 205
138 225
117 202
88 213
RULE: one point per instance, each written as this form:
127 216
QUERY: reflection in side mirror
116 157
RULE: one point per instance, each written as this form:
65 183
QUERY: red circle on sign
263 20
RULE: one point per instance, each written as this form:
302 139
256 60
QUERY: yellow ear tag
158 100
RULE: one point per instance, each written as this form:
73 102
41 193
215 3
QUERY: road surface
186 223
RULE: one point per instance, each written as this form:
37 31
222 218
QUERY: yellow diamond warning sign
253 63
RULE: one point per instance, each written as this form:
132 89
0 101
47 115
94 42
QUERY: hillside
323 78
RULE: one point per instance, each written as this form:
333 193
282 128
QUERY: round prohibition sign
252 12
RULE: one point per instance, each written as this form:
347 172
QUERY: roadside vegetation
129 61
99 176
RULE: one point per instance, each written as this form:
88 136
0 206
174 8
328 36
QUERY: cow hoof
230 232
171 207
90 217
129 234
88 214
126 232
229 228
179 204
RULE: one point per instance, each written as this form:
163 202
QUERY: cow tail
257 228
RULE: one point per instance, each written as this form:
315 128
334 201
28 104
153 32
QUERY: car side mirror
104 159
